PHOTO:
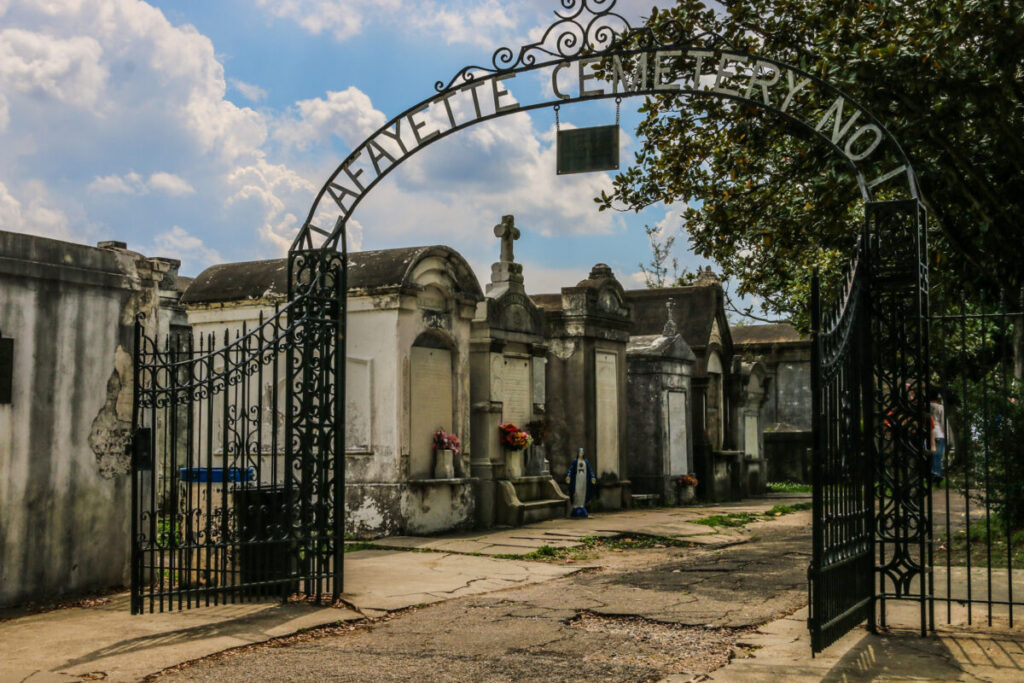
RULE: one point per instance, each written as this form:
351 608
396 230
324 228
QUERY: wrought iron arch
704 65
868 347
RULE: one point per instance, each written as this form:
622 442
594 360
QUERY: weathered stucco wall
382 496
64 476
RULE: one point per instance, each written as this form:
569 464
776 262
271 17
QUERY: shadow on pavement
905 655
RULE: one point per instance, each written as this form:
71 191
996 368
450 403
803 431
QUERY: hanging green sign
583 150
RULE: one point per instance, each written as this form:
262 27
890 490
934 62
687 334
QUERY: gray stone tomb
658 394
507 385
588 327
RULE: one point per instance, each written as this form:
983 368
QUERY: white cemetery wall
64 476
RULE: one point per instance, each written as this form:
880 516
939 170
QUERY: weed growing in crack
738 519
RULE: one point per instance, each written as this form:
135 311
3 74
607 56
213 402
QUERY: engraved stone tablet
750 442
539 380
516 405
678 463
358 405
607 414
430 404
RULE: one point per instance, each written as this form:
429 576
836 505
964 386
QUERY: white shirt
938 418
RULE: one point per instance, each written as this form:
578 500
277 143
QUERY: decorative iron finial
587 26
670 319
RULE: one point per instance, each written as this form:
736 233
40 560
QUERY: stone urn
686 494
513 463
444 463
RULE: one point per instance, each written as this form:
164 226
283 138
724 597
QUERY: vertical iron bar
867 356
817 539
136 558
340 370
968 465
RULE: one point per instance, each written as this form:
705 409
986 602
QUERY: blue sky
202 130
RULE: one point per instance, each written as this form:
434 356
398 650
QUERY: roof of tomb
368 271
696 308
660 346
774 333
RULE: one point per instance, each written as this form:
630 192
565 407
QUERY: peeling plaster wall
381 330
64 475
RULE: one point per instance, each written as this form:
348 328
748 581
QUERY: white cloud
34 218
133 184
348 114
130 183
168 183
67 69
486 23
341 18
476 25
180 244
266 192
251 92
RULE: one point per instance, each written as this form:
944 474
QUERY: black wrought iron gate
238 442
872 502
842 568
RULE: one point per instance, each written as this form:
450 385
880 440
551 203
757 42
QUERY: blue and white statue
582 482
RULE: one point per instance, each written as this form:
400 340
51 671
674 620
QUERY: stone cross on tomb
507 231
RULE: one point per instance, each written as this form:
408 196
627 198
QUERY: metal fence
977 401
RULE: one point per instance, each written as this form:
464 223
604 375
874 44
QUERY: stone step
645 499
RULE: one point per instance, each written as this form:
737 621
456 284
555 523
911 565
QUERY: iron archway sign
592 53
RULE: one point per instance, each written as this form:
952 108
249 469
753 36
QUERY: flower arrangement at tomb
513 437
447 442
686 480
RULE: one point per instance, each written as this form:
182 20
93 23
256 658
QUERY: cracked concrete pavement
640 616
729 608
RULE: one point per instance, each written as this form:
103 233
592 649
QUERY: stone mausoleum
407 374
509 385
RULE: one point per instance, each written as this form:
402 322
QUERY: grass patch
977 544
788 487
359 545
738 519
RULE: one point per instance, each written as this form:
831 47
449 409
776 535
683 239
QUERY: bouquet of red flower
445 442
686 480
513 437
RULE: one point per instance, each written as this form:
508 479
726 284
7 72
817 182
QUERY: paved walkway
67 644
104 641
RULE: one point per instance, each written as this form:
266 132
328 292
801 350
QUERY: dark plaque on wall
582 150
6 369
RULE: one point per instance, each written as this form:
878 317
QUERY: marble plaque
358 405
607 383
539 380
517 407
678 462
751 444
430 406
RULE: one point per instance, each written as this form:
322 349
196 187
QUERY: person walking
938 439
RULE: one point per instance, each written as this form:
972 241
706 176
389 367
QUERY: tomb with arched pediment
508 386
406 375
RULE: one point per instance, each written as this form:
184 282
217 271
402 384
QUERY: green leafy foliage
769 202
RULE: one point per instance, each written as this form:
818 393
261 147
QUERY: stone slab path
65 644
